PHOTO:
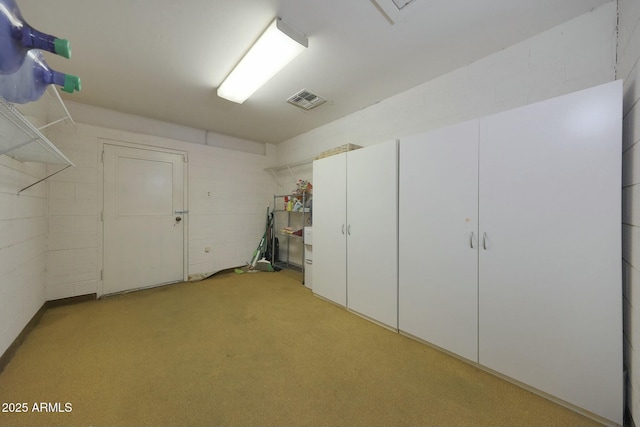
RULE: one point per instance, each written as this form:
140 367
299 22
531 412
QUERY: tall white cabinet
355 213
529 199
438 234
329 275
550 298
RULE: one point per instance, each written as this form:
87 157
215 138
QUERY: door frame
114 142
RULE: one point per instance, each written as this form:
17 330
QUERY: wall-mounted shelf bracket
22 141
275 169
42 179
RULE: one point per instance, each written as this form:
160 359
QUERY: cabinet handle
349 229
471 240
484 241
342 228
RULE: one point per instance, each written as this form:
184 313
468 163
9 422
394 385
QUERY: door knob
178 219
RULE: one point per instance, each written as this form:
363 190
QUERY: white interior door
550 276
143 226
438 235
372 232
329 228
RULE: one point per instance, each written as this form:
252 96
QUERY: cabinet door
329 228
372 212
549 273
438 235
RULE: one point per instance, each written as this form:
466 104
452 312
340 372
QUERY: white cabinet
372 232
438 234
550 301
308 257
329 228
530 200
355 210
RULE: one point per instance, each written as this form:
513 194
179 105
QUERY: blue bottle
32 78
17 37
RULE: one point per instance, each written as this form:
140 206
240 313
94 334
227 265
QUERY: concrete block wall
23 246
628 69
73 261
229 192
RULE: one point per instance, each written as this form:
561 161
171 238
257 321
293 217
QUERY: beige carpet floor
247 350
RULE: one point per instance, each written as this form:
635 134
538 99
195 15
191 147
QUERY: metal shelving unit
302 215
22 141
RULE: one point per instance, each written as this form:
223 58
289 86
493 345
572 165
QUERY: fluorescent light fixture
275 48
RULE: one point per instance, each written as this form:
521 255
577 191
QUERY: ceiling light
275 48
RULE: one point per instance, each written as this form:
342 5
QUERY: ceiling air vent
306 100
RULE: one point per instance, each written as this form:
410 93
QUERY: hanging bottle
32 78
17 38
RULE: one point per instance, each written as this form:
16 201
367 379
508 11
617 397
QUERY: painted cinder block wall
23 246
628 69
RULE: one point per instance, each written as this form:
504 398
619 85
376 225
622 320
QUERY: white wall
23 246
572 56
628 68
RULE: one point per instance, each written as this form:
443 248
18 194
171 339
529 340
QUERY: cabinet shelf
22 141
306 211
295 236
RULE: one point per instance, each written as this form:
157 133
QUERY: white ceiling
163 59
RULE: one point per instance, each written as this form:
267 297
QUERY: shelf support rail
46 177
275 176
60 104
63 119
